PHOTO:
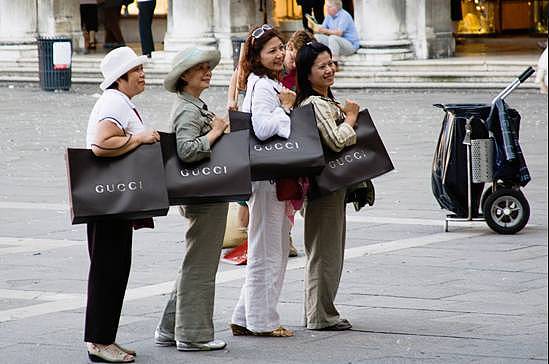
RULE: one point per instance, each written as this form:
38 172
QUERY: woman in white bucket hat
114 128
187 318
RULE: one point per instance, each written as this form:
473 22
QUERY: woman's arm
111 141
268 116
336 137
232 97
192 145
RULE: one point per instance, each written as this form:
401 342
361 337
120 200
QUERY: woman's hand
219 124
232 106
148 136
287 99
351 110
218 128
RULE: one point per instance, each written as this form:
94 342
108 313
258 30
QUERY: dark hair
114 85
180 84
250 61
306 57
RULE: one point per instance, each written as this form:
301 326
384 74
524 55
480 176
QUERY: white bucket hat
116 63
186 59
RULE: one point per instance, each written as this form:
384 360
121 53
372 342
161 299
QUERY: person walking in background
269 102
187 320
88 19
146 14
338 31
324 216
114 128
311 7
113 34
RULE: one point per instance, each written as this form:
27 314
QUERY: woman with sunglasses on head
325 215
269 103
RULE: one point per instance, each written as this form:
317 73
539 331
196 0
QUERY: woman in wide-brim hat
187 318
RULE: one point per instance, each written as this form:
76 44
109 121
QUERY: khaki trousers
189 311
324 247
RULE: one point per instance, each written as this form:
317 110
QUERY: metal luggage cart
504 207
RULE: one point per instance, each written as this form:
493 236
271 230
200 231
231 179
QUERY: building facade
389 29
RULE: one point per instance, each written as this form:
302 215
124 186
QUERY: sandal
127 351
278 332
108 354
240 330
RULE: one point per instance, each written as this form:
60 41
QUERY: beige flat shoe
108 354
127 351
278 332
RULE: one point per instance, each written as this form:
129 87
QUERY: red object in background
237 255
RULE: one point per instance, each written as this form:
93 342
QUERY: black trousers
88 17
309 6
113 34
146 12
110 249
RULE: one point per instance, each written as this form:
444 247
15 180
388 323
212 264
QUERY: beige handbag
234 233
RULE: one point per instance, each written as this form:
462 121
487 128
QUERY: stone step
448 73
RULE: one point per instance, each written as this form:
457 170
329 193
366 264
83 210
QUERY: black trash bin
54 62
237 42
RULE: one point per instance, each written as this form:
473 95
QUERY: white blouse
268 116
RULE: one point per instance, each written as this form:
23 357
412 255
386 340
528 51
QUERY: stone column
430 28
60 18
382 29
17 29
190 23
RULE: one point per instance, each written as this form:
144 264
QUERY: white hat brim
121 71
201 55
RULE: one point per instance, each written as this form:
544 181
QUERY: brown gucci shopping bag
298 156
367 159
224 177
131 186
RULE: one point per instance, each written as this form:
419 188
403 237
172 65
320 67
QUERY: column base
383 51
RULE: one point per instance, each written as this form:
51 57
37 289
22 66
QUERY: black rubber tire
506 211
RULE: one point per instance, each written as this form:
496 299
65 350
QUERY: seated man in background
338 31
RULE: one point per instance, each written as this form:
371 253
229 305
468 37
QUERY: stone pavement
412 292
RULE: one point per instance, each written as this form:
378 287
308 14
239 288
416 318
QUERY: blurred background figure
146 13
88 18
113 34
311 7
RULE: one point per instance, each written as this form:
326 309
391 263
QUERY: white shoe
203 346
163 339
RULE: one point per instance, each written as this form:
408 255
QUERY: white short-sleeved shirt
117 108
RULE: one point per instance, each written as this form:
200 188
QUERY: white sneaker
201 346
163 339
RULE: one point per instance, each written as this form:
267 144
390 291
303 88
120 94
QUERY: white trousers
338 45
268 248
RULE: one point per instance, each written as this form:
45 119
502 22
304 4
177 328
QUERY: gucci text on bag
347 159
276 146
119 187
204 171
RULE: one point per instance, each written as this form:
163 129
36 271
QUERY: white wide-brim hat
186 59
117 62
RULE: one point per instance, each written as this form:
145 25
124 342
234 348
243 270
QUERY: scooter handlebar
526 74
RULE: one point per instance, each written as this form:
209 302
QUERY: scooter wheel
506 211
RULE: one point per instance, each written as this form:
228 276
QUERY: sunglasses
258 33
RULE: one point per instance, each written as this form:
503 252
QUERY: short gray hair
337 3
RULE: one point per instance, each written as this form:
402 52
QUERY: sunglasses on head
258 33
